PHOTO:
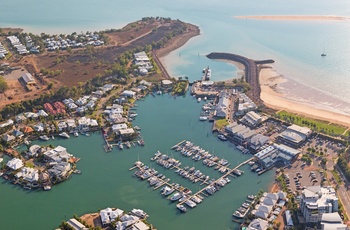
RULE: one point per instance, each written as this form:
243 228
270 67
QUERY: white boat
159 92
128 145
120 145
205 98
76 134
222 137
190 203
52 137
175 196
181 208
203 118
133 115
64 134
44 138
47 187
199 99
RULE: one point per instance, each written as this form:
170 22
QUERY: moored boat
64 134
44 138
181 208
222 137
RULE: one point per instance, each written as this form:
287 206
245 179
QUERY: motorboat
44 138
64 134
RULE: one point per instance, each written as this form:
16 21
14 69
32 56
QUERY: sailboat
323 54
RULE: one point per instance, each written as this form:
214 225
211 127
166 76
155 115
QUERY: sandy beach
273 97
294 17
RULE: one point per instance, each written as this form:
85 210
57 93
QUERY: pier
225 175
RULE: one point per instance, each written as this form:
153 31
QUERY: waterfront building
332 221
126 132
221 110
117 127
71 124
109 215
239 133
33 151
58 154
59 170
294 136
62 126
129 93
76 225
251 119
245 104
15 164
317 200
275 153
142 61
167 83
84 123
28 174
258 224
258 141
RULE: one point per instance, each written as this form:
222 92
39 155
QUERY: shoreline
295 17
178 41
272 96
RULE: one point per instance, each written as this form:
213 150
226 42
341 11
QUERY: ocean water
294 45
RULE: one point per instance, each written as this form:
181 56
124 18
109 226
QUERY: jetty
251 70
214 182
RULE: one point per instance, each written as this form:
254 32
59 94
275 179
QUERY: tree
3 85
50 86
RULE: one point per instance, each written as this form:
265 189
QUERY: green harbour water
107 182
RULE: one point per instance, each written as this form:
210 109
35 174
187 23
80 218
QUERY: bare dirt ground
80 65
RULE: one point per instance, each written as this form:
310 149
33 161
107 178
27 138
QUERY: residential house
34 150
58 154
7 123
42 113
17 133
109 215
15 164
129 93
28 174
20 118
258 224
62 126
59 170
8 138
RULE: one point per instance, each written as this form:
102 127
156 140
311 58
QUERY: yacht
222 137
203 118
120 145
190 203
159 92
47 187
181 208
175 196
44 138
76 134
199 99
64 134
128 145
53 137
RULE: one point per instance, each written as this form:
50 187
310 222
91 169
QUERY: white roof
167 82
15 164
258 224
303 130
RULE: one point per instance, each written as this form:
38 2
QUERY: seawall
251 70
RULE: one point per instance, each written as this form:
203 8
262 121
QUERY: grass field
221 123
317 125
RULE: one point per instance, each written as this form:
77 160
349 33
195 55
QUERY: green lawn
317 125
221 123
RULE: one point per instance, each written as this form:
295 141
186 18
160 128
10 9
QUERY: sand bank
272 95
294 17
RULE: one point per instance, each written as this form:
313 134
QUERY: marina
180 193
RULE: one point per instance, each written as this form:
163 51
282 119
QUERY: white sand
294 17
269 81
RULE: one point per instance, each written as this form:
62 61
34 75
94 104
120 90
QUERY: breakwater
251 70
